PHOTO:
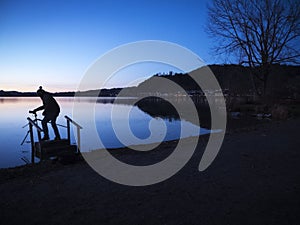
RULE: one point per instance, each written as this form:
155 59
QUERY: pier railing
78 128
34 124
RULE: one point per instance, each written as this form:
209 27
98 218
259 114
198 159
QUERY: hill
284 82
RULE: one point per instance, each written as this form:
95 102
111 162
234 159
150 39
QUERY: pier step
47 149
54 143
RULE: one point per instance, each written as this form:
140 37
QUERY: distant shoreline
91 93
234 80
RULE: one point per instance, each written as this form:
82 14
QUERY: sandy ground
255 179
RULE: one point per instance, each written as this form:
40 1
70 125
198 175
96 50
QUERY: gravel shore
255 179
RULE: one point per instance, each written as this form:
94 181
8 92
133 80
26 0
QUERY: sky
53 43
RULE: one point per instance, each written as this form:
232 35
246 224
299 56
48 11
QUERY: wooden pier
48 149
53 148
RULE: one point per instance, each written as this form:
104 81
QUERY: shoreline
253 180
234 128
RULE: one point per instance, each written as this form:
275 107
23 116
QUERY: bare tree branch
262 32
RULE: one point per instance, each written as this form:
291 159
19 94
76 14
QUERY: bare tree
261 32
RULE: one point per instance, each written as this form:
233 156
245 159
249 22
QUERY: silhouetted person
51 112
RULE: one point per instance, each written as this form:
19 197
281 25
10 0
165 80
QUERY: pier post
78 140
32 143
68 131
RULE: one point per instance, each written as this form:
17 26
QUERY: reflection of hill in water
157 107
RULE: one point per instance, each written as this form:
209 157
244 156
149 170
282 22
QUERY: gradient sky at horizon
52 43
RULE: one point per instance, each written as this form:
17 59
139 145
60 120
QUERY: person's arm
37 109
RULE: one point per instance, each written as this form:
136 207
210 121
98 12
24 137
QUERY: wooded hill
284 82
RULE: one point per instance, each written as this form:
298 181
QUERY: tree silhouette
261 32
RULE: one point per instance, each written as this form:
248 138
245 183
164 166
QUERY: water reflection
14 111
158 107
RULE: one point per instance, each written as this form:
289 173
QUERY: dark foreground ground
255 179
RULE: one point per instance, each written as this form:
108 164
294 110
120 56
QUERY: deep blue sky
52 43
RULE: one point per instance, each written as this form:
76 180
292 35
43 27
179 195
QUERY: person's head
40 92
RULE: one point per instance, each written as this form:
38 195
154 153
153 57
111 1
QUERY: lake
14 111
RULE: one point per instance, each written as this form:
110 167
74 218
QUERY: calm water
14 111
